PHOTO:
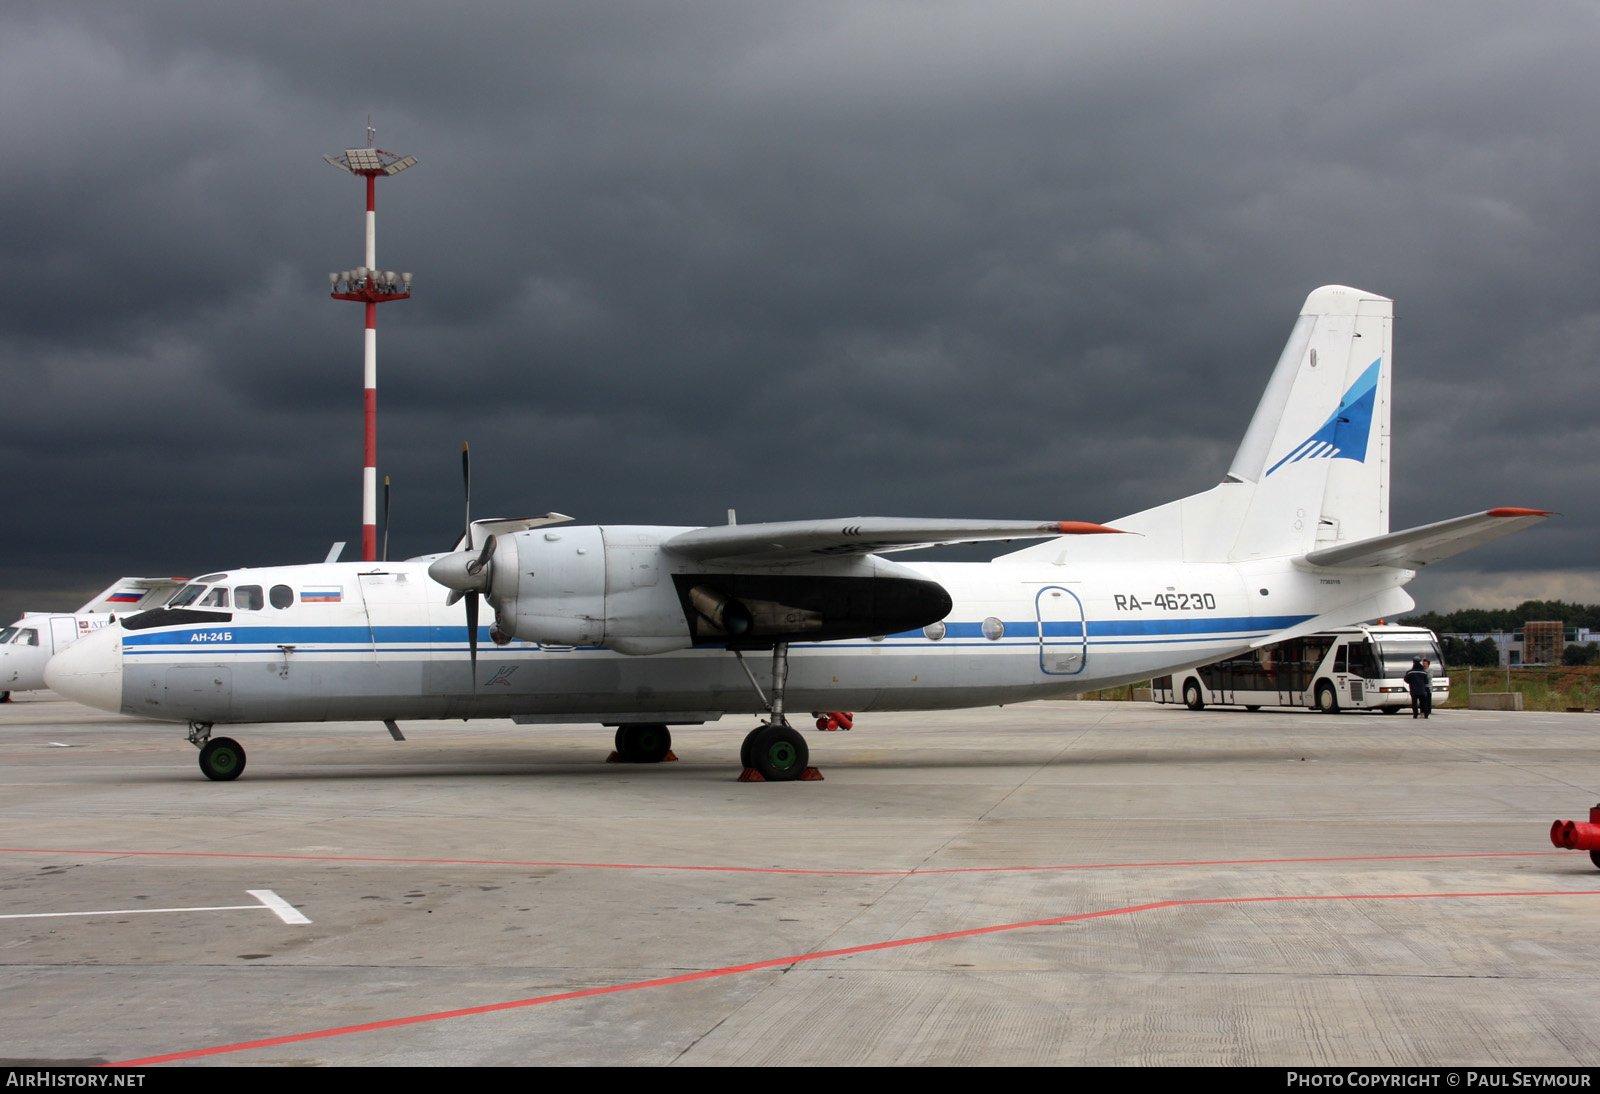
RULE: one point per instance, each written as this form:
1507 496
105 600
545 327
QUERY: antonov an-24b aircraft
647 627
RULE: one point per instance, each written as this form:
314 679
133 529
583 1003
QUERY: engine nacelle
617 587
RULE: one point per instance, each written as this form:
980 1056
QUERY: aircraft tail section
1313 468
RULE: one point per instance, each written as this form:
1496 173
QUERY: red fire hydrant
1578 836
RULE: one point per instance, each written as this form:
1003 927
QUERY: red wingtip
1513 511
1084 528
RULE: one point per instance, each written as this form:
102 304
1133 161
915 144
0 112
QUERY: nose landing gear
221 758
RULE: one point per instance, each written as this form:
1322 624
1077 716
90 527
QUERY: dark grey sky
1007 260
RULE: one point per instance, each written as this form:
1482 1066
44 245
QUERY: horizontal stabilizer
797 540
1415 548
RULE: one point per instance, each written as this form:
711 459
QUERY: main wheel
1327 700
779 753
643 744
222 759
1191 695
1252 709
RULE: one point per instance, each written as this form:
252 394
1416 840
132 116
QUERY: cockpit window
247 598
282 596
27 637
209 578
7 634
186 595
216 598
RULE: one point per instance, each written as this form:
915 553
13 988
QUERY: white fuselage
29 643
368 641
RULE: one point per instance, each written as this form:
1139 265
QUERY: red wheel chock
836 719
1577 835
751 775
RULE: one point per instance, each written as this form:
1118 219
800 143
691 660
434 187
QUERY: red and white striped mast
370 286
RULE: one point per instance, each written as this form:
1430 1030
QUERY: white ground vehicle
1356 668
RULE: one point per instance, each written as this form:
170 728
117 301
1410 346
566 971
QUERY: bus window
1341 662
1363 661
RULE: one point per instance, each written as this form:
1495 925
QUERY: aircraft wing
134 594
800 540
1415 548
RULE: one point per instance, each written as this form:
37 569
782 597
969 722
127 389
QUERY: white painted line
270 900
280 907
135 911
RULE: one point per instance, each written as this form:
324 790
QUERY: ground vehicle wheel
1252 709
5 697
779 753
1327 700
222 759
1191 695
1391 710
643 743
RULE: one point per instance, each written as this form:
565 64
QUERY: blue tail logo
1344 435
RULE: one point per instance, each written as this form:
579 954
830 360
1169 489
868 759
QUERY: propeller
464 574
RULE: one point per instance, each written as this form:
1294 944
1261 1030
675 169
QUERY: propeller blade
466 484
472 635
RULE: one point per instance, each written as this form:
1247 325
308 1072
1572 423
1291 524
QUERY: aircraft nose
90 670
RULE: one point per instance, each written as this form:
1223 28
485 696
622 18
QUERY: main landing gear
221 758
774 751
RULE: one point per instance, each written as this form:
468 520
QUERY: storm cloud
1012 260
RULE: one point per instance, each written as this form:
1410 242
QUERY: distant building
1550 641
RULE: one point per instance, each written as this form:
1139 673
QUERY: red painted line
777 962
774 869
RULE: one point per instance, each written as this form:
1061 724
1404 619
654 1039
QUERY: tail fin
1313 468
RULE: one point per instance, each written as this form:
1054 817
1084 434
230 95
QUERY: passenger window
217 598
247 598
281 596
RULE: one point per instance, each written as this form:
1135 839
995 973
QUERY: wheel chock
616 757
751 775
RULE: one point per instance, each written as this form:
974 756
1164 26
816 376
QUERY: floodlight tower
370 286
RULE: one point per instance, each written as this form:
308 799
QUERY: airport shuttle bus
1354 668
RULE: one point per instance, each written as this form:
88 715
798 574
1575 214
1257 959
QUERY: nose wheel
221 758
